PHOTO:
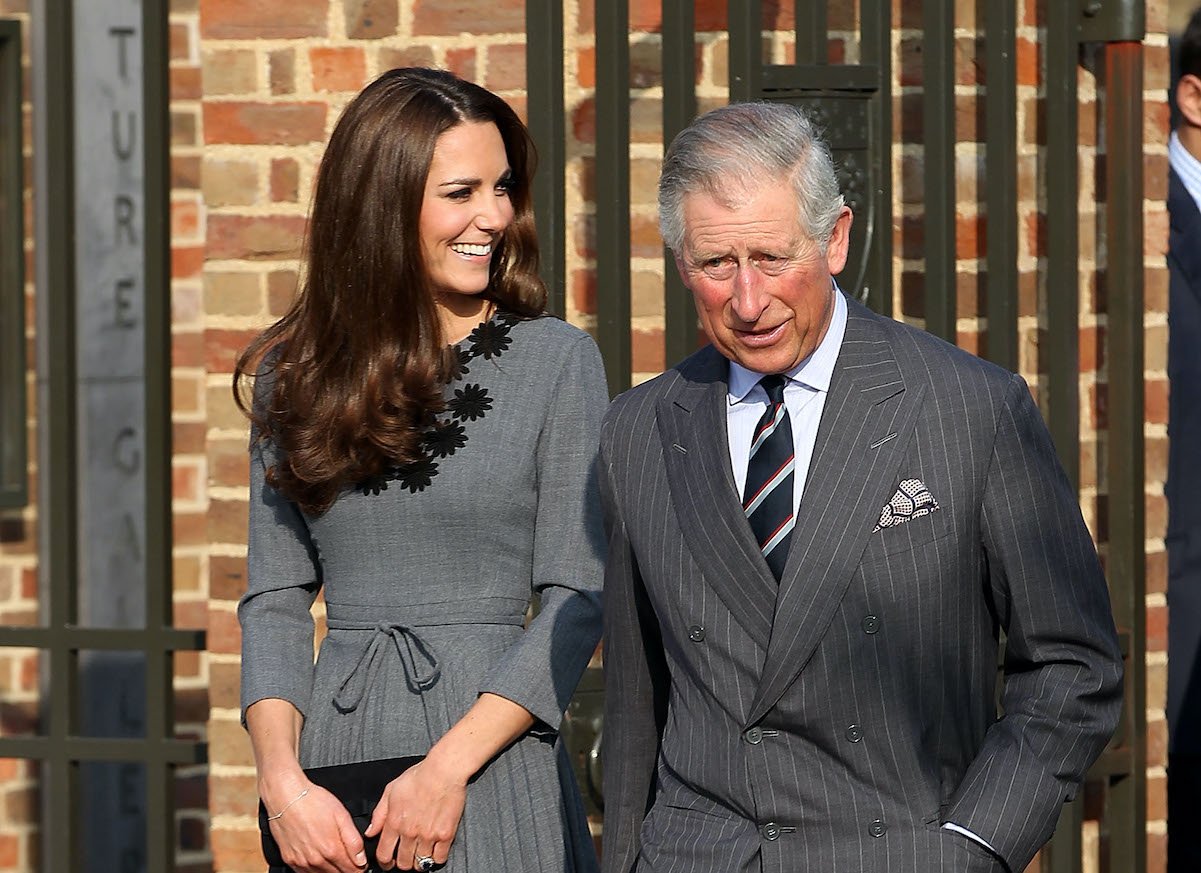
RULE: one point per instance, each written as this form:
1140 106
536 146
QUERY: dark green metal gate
66 753
854 104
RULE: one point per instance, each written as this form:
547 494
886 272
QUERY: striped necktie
767 498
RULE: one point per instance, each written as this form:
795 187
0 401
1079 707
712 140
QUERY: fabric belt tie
400 632
421 667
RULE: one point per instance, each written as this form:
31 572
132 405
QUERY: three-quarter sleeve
283 577
541 670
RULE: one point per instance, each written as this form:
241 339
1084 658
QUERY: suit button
754 736
854 733
877 828
770 831
696 633
870 624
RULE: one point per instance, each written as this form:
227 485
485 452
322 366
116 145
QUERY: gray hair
731 151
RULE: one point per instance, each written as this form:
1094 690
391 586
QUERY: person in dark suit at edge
1183 488
818 525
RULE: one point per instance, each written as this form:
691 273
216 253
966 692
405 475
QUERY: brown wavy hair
350 375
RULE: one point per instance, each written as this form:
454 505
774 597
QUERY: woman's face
466 209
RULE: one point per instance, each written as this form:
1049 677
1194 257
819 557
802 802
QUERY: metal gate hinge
1113 20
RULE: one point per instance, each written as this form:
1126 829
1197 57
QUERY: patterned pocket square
912 500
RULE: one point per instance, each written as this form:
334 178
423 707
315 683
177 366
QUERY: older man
819 524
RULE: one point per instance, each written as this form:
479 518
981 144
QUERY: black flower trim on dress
470 402
443 437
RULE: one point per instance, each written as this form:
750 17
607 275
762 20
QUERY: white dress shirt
805 392
1186 166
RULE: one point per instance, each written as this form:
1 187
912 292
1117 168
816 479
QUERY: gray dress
427 574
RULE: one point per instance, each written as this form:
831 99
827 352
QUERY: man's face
763 290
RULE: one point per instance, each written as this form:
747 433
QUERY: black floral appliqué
441 438
470 402
459 364
444 438
374 486
416 475
491 339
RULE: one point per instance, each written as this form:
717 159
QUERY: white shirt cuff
951 826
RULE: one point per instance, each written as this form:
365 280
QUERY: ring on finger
424 863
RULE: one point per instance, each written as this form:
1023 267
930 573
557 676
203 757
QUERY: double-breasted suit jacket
834 721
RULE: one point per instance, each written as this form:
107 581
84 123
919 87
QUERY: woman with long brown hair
422 448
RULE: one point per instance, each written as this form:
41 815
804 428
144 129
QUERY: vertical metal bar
613 190
544 86
746 49
812 31
938 123
1001 155
14 473
679 108
875 41
160 697
1126 563
53 27
1062 389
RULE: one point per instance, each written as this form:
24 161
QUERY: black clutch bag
359 786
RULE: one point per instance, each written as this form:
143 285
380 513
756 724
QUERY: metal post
679 108
59 478
1002 185
613 190
544 87
1126 564
938 109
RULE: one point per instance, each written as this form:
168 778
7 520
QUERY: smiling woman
388 435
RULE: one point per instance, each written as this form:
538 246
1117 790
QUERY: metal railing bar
74 750
1126 564
679 108
746 49
156 252
544 88
938 124
75 639
1061 394
1001 197
14 458
613 191
875 44
59 553
812 31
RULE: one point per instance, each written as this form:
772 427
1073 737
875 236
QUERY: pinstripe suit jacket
833 722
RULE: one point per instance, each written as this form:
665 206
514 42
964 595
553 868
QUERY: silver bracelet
287 806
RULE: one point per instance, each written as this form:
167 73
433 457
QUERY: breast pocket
906 536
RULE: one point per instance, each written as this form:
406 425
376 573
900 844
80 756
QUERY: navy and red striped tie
767 498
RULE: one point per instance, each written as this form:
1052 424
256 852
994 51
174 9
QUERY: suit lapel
692 426
1185 228
865 428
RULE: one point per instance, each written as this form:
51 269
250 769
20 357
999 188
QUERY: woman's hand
418 814
315 834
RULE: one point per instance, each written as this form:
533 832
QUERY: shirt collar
814 372
1186 166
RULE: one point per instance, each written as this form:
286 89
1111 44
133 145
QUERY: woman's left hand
418 815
